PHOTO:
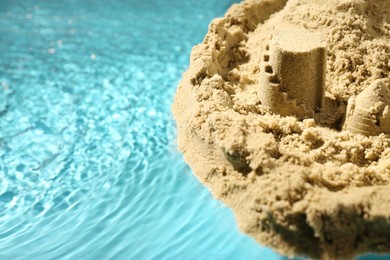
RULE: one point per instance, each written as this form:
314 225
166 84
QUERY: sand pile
284 114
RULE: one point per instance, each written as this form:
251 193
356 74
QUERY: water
88 164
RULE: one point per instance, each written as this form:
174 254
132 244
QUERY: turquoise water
88 163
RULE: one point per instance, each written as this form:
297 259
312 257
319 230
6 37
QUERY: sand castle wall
292 80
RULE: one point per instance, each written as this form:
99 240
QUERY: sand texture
284 115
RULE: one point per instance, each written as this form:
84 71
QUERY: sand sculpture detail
292 78
369 112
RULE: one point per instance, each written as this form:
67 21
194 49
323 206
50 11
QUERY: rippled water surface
88 164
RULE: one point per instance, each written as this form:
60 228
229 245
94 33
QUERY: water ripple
88 167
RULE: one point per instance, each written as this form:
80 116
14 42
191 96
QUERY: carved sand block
369 112
292 76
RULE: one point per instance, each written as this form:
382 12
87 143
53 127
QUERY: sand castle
369 112
292 79
292 82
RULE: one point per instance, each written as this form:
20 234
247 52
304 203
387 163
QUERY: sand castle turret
292 77
369 112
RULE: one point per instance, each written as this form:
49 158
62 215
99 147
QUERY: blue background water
88 163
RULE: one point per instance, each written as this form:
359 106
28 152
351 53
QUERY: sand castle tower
369 112
292 77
